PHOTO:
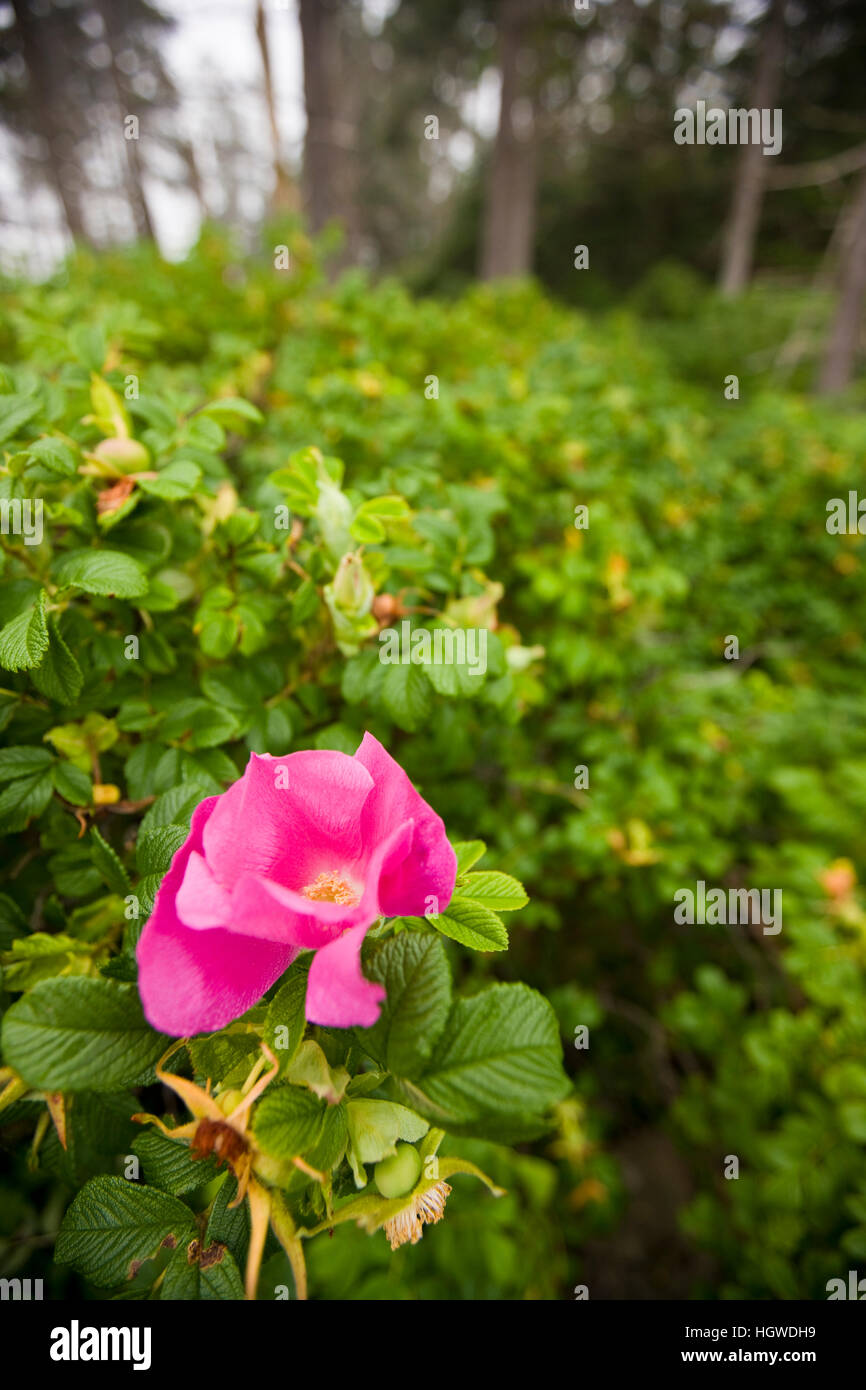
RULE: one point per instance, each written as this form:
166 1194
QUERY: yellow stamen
330 888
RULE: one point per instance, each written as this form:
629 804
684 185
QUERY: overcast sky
214 40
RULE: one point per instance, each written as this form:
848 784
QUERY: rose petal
200 900
193 980
338 996
271 912
289 834
429 870
262 908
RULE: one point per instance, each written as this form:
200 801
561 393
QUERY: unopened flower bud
334 514
386 607
105 794
353 588
125 455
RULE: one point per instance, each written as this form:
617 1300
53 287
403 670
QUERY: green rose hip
397 1175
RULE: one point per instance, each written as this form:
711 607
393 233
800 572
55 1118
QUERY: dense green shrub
606 651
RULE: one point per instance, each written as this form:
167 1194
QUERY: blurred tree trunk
229 149
330 161
750 179
186 152
508 230
840 353
285 193
126 106
49 120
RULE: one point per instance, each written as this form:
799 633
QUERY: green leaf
472 925
15 412
99 1128
73 872
58 676
13 923
852 1116
204 435
169 1164
16 595
106 861
364 1082
24 640
79 741
227 1224
270 731
43 956
310 1067
125 966
23 799
375 1126
305 602
369 524
499 1059
199 724
213 727
328 1150
239 527
299 481
285 1020
406 696
174 807
209 1274
288 1121
154 851
78 1033
176 481
54 455
454 679
226 1058
413 968
111 415
22 761
367 530
362 676
110 573
113 1226
468 853
489 888
218 635
73 784
233 413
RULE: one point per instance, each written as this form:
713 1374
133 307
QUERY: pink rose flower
303 852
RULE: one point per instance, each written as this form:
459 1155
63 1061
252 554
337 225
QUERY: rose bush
610 755
293 924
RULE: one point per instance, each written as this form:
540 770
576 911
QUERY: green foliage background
706 518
